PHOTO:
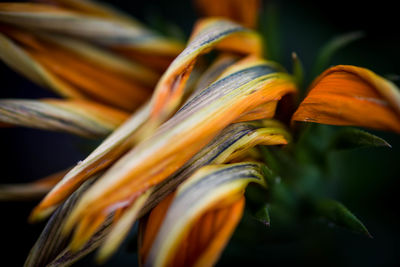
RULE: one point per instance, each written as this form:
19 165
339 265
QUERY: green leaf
350 138
338 214
262 215
298 70
328 50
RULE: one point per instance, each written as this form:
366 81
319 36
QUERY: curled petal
190 129
208 34
348 95
51 242
233 142
230 144
195 228
105 154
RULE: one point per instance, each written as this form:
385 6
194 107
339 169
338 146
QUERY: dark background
366 179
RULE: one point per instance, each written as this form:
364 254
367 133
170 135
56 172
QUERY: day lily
181 133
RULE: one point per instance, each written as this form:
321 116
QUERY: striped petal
51 242
92 7
207 34
200 218
84 118
214 71
349 95
193 126
232 142
108 30
117 144
103 156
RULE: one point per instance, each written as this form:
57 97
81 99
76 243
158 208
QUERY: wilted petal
51 241
207 34
231 143
200 218
190 129
348 95
105 154
84 118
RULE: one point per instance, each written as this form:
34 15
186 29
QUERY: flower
178 157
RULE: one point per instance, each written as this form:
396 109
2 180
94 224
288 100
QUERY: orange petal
209 236
85 230
205 239
349 95
202 216
244 12
265 111
117 143
99 82
170 148
207 34
150 225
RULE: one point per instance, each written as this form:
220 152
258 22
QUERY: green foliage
300 178
262 215
326 52
349 138
298 72
338 214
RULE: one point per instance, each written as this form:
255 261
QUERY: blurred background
364 179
